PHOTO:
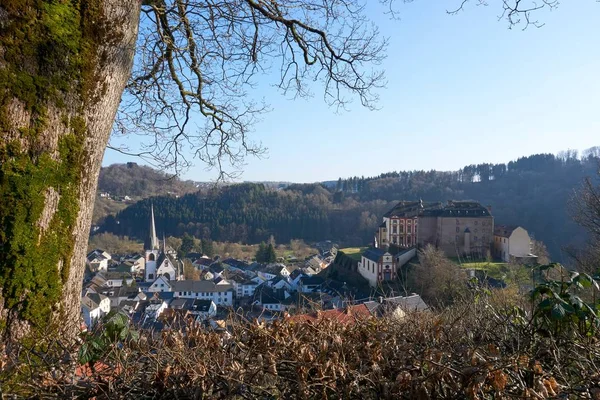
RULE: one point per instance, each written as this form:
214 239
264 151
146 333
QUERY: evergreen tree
187 244
207 248
270 256
261 253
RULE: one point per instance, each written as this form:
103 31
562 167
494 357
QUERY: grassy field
354 252
500 270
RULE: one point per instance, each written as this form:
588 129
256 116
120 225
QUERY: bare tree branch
198 62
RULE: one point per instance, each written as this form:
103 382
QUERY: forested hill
140 181
532 191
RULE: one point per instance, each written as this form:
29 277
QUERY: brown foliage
471 350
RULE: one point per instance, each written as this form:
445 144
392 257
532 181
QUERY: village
152 291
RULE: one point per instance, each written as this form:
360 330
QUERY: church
160 260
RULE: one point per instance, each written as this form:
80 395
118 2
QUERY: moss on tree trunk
63 67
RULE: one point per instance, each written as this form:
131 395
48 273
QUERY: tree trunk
63 68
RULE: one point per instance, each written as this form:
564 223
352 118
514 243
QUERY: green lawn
500 270
354 252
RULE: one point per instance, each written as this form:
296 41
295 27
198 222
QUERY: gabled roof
235 263
504 230
413 302
312 280
295 273
373 254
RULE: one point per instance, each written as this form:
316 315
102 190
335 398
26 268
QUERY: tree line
532 191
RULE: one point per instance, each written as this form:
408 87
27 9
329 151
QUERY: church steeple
153 243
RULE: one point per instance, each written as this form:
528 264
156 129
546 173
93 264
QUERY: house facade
459 228
222 295
377 265
512 243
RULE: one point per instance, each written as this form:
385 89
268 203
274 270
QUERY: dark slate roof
235 263
295 273
453 208
194 256
96 298
216 268
268 295
464 208
160 295
204 261
504 230
312 280
411 208
374 308
373 254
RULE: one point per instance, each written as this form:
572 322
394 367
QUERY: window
394 230
401 229
457 238
475 238
151 276
476 222
457 229
457 222
475 230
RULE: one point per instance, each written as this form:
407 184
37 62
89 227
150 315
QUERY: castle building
459 228
159 260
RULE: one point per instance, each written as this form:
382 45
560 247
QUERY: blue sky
461 90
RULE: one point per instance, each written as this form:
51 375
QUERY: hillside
140 181
137 182
532 191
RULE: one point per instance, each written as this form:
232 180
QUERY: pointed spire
153 238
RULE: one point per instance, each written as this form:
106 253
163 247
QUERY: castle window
151 257
457 238
150 276
457 229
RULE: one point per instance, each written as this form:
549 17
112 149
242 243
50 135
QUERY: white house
377 265
161 284
93 307
512 243
98 260
280 283
202 309
222 295
116 279
154 310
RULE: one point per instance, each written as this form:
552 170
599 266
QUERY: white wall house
512 243
161 284
222 295
93 307
378 265
98 260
